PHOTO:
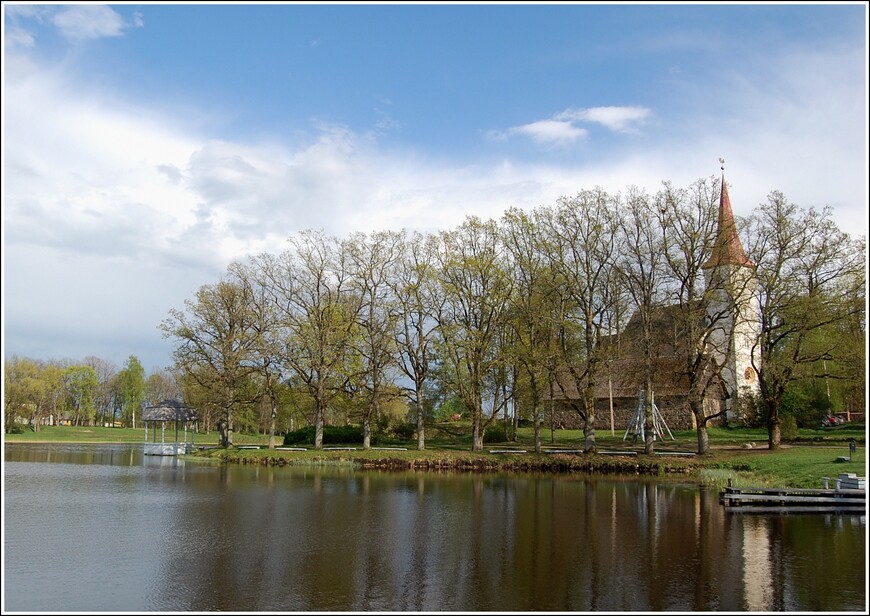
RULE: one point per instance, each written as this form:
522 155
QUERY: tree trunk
589 427
703 439
774 433
536 417
649 426
421 438
318 428
476 434
274 415
367 433
319 414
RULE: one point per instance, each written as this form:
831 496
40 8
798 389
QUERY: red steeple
727 250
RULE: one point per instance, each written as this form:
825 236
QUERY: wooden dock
793 500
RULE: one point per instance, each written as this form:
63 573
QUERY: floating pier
794 500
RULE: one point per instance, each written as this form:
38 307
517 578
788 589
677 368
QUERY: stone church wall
673 409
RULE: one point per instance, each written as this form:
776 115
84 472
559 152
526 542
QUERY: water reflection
241 538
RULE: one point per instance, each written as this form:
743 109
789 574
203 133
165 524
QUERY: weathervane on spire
722 162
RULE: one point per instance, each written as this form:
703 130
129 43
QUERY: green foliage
495 434
788 427
332 435
18 428
403 430
807 402
131 385
451 406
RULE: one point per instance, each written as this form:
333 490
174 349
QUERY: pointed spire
727 250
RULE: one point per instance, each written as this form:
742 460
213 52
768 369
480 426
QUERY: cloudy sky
147 146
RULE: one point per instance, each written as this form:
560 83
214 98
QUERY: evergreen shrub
332 435
495 434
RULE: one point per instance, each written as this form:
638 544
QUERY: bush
788 428
332 435
494 434
404 430
18 428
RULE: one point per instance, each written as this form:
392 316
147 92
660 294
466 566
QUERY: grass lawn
798 463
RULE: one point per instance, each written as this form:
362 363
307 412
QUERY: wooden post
610 394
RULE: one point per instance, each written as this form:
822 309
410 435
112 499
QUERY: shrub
404 430
788 428
494 434
18 428
332 435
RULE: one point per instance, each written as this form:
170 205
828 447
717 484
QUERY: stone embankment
469 462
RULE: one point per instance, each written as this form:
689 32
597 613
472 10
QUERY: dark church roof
168 410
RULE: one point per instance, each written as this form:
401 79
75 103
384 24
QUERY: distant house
730 278
181 421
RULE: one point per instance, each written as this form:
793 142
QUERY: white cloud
617 119
88 21
562 129
554 131
17 37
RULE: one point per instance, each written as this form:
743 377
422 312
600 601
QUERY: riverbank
738 454
790 466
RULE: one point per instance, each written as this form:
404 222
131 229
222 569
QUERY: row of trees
90 392
490 312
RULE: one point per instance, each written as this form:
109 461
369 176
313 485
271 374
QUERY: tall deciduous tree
161 385
265 326
106 372
688 223
476 291
640 266
131 388
534 310
808 273
318 313
81 386
217 342
416 306
583 249
371 260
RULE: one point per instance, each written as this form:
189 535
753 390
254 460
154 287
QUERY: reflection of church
732 323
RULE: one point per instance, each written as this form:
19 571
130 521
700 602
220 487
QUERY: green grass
792 466
799 463
97 434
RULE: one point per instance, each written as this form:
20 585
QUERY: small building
181 419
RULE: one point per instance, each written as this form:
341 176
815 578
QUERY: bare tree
266 355
688 221
372 259
583 249
106 372
640 266
416 305
318 313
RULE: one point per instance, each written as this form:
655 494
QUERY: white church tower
733 310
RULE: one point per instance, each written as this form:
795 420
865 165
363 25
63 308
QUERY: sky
147 146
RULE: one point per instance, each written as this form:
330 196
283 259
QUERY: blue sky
145 146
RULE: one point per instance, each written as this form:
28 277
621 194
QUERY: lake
104 528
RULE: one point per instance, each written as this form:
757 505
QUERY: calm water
103 528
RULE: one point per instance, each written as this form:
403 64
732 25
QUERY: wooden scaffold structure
637 424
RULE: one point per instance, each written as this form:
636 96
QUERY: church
731 325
